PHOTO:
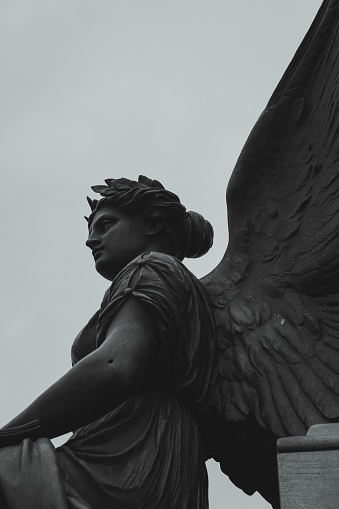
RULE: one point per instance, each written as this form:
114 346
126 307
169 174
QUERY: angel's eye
106 225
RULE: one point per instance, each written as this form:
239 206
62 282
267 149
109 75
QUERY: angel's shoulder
162 268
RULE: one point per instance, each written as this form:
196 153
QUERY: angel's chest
85 342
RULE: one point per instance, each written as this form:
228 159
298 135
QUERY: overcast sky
111 88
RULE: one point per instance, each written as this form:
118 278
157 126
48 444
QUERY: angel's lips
96 254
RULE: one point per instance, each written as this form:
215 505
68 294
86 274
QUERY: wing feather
276 291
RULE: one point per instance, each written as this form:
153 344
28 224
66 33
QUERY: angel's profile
172 370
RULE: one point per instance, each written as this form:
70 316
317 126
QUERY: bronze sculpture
268 304
137 365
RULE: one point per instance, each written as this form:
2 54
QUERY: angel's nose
92 241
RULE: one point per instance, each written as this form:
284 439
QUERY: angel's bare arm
120 367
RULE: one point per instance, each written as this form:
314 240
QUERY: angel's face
116 238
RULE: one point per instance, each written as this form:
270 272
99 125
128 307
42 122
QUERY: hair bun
201 236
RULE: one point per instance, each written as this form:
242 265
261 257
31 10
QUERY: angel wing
276 291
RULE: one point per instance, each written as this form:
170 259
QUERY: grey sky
110 88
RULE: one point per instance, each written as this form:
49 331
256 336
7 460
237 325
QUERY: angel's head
133 218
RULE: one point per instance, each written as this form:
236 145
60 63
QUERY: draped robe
149 451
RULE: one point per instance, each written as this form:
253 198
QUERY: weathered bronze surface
171 370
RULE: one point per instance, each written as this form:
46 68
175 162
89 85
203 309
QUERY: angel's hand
15 434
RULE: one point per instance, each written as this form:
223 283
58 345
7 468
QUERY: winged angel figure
171 370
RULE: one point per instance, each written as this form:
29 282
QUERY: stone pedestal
309 469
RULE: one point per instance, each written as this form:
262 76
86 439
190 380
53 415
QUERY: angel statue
172 370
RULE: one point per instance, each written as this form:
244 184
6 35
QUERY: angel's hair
190 233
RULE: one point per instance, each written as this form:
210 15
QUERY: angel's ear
154 227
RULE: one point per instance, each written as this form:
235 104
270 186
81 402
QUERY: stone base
309 469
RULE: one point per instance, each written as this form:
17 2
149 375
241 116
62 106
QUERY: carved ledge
309 469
